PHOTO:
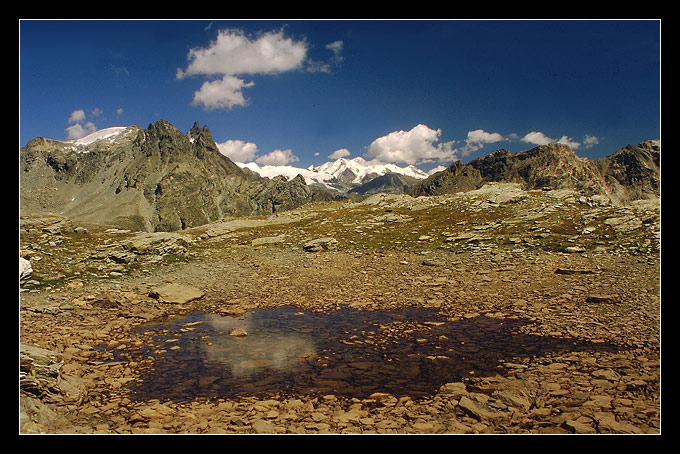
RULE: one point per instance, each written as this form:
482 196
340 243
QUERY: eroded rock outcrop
631 173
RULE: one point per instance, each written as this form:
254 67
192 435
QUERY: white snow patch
110 134
105 133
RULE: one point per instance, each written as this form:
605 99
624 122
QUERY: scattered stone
456 389
606 374
624 224
476 407
433 262
157 243
579 427
607 423
173 293
263 427
573 271
268 240
320 244
238 332
602 298
513 399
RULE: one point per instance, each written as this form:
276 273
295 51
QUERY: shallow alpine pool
347 352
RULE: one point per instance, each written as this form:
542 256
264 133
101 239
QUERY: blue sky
295 92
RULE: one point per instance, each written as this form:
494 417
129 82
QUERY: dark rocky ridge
631 173
154 179
390 183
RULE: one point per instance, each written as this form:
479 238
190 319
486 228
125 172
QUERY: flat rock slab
175 293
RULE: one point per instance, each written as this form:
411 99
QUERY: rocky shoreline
542 339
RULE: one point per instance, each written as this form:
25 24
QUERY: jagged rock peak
197 131
651 145
201 137
163 127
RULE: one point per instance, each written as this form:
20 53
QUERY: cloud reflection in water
248 355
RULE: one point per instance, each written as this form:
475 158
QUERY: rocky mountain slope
631 173
154 179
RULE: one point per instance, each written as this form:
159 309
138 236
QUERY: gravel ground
499 337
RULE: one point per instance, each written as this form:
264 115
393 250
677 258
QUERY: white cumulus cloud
478 138
538 138
590 141
78 130
341 153
76 116
223 93
411 147
277 158
233 53
569 142
238 150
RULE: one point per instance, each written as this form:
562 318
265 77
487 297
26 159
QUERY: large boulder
157 243
25 269
173 293
40 375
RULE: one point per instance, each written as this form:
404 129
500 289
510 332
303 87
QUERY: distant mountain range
159 179
342 175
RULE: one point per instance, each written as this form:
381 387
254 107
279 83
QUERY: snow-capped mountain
341 174
106 133
361 169
268 171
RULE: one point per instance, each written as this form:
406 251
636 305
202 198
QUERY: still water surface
344 352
